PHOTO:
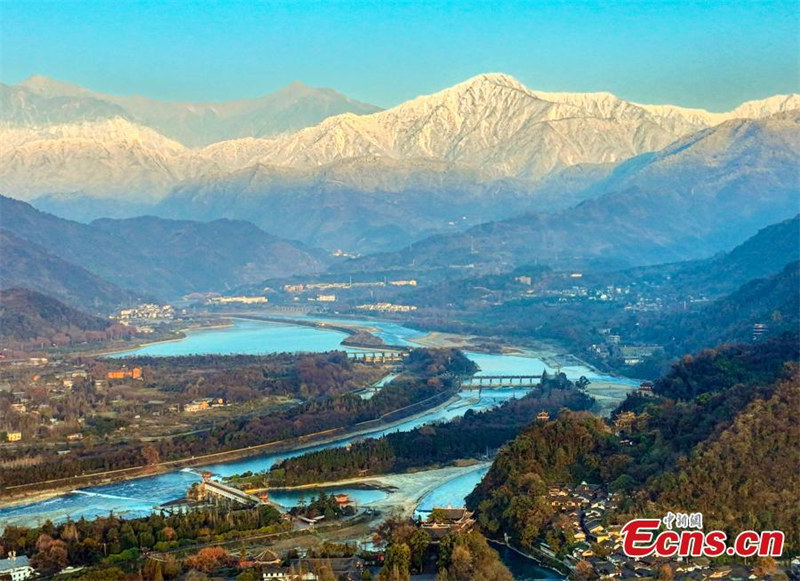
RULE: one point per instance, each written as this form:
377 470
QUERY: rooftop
9 564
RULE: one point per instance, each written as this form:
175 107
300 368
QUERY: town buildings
244 300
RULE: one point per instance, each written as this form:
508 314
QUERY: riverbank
543 560
127 487
9 498
181 335
352 331
405 491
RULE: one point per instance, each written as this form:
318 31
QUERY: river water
140 496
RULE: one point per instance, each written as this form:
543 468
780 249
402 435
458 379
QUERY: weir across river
500 381
378 357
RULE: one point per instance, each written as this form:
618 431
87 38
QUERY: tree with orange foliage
210 559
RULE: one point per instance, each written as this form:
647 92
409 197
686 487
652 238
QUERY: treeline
457 557
512 497
466 437
242 378
685 306
112 542
720 438
429 373
31 320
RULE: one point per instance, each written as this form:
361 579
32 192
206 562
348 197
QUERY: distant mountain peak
295 86
502 79
40 101
768 106
49 87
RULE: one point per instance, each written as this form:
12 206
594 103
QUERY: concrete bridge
216 492
501 381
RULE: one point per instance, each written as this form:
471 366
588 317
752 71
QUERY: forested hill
28 265
27 316
154 256
772 303
763 255
432 445
722 421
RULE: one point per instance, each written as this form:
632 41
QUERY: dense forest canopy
467 437
720 436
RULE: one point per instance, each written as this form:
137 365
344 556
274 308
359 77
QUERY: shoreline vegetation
550 353
429 339
408 501
294 444
469 437
13 496
181 335
315 439
542 560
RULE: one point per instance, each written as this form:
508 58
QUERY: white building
238 299
16 568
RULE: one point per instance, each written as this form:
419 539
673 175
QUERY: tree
418 543
209 559
584 571
396 565
153 571
765 566
325 573
166 534
70 532
461 564
665 573
51 555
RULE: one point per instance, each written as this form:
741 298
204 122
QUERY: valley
417 320
410 490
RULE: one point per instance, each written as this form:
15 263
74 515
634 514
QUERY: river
141 496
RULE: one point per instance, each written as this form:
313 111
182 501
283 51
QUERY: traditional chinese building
445 520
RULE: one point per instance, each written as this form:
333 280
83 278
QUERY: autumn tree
665 573
209 559
584 571
51 555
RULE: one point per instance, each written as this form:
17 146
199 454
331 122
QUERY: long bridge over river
378 357
501 381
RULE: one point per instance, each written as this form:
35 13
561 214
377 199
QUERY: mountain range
151 256
362 179
28 265
40 101
701 195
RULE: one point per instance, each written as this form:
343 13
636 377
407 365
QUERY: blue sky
710 54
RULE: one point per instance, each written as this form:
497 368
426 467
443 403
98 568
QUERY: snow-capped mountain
491 127
39 100
700 195
111 157
493 124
